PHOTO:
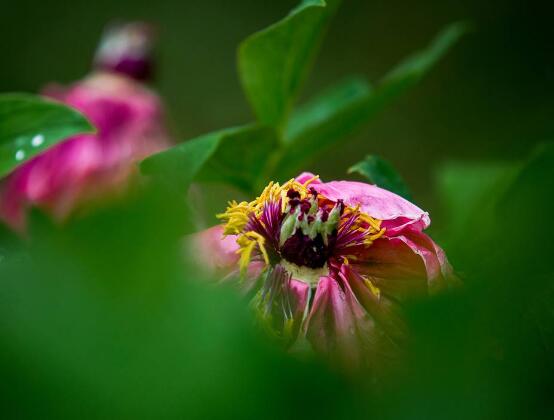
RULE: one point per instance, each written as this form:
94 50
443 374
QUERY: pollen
293 224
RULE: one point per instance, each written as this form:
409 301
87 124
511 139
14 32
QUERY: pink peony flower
129 121
333 264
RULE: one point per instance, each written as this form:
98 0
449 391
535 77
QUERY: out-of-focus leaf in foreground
106 318
343 108
235 155
486 352
274 62
381 173
30 124
468 192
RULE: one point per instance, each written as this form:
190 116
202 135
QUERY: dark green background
490 98
102 322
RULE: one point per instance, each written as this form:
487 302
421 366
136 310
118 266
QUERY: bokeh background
102 321
488 99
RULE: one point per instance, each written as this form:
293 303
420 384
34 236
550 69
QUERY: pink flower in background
333 264
130 126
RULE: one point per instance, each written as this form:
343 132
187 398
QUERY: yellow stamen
247 243
236 215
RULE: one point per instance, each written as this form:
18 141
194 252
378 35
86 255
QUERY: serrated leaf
381 173
30 124
234 155
344 108
274 62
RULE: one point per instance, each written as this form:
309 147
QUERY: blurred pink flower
130 125
334 263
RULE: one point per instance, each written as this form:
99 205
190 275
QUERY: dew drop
37 140
19 155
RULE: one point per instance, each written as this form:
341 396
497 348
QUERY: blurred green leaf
334 107
525 207
234 155
410 71
31 124
381 173
10 244
345 107
180 164
241 157
107 318
468 189
274 62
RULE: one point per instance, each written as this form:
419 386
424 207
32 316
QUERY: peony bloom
129 121
331 263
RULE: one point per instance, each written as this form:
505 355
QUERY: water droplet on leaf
37 140
19 155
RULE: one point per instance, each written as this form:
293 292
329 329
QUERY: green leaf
410 71
181 163
241 157
274 62
323 121
345 107
235 155
467 189
333 109
31 124
381 173
469 192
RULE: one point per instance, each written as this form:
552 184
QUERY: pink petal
298 294
306 176
407 266
381 204
130 125
217 255
375 201
351 335
387 313
333 322
214 251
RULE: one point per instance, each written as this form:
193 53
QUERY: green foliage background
101 318
487 100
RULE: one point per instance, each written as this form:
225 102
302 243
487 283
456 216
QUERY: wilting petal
407 266
350 335
386 312
365 257
396 212
331 326
290 304
299 292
